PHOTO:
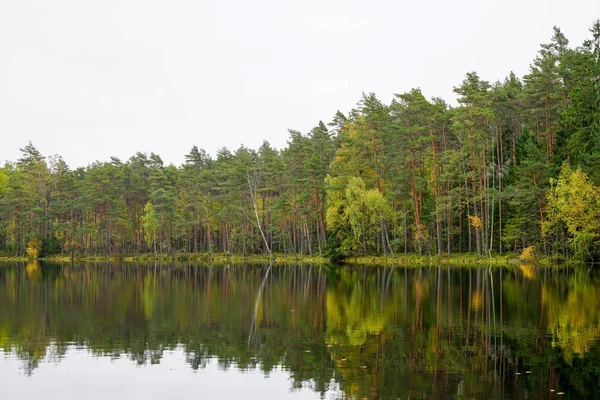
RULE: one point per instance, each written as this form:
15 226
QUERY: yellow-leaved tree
574 212
34 248
357 215
151 226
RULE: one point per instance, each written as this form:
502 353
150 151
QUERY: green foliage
415 175
3 182
574 205
357 211
150 223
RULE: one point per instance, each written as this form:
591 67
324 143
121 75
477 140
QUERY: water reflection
437 332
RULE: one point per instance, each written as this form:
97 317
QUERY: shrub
528 254
34 248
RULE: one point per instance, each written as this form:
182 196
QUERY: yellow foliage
34 248
574 322
420 233
475 221
573 200
528 271
476 300
33 271
59 235
528 254
3 182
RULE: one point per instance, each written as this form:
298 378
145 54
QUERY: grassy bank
416 259
374 260
179 257
13 259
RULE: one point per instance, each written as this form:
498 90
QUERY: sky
93 79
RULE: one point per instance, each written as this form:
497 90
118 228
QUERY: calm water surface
298 332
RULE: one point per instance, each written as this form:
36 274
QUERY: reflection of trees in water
573 313
258 312
378 332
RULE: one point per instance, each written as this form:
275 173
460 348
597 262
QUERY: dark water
298 332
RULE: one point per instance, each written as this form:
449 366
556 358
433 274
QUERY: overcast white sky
92 79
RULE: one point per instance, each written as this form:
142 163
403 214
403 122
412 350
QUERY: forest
514 165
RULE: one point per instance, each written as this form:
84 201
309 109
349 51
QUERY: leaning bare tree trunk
387 237
253 186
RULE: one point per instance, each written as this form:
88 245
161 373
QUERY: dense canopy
500 172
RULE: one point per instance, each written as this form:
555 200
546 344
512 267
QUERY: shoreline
458 259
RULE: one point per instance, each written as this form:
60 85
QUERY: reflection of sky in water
376 332
79 375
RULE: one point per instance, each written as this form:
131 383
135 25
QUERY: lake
100 331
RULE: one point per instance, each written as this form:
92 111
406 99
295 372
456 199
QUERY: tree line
515 164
